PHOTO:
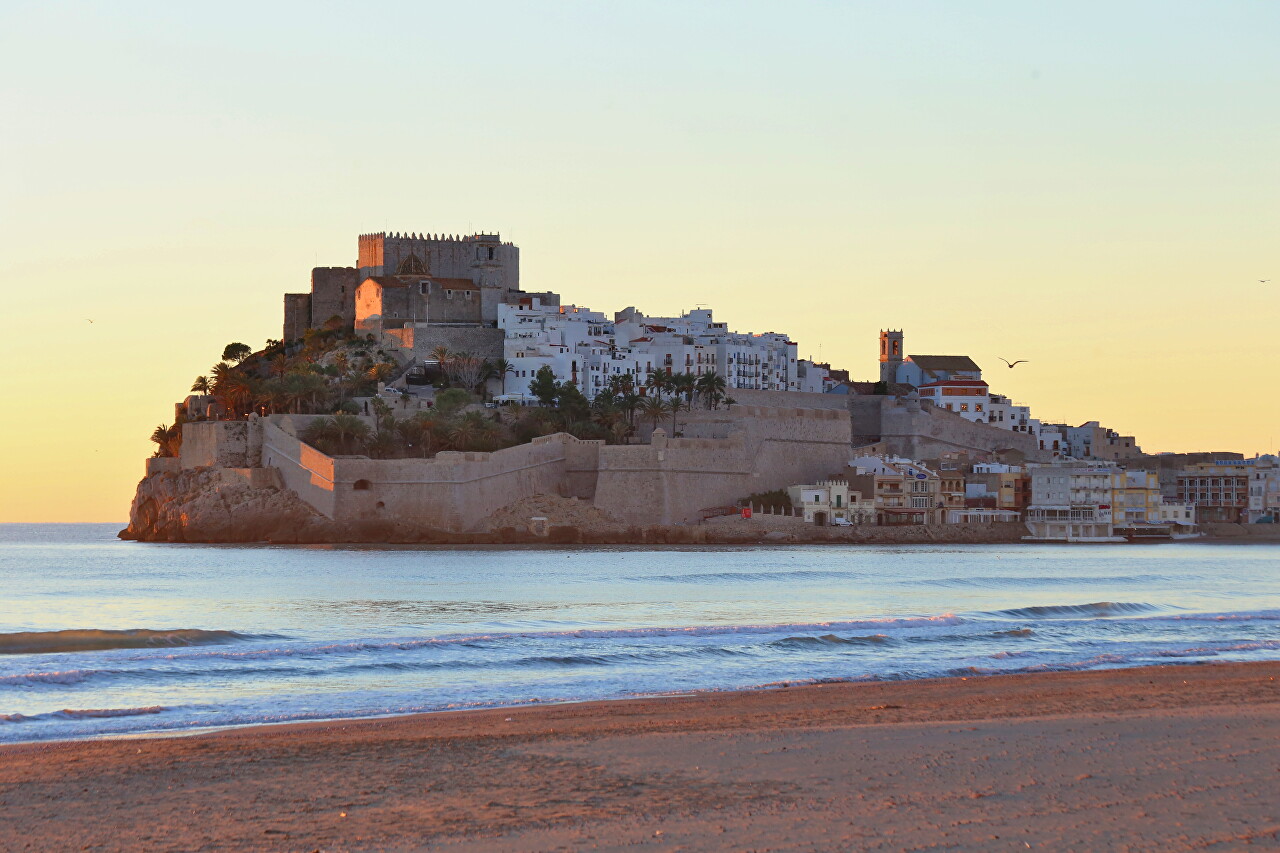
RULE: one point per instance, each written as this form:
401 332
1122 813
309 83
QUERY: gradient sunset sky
1092 186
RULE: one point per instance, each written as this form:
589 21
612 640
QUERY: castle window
491 254
423 287
448 294
467 293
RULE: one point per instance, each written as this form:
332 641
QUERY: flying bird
1263 280
1012 363
88 320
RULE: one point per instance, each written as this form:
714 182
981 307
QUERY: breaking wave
96 639
1078 611
83 714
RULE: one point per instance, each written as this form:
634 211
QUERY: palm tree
686 384
711 386
659 381
168 440
674 408
202 385
464 433
502 367
349 431
621 431
653 408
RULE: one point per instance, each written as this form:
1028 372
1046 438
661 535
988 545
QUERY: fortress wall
908 428
163 465
481 341
333 292
788 399
671 480
453 491
297 315
221 444
922 432
302 468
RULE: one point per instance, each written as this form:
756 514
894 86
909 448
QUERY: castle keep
419 290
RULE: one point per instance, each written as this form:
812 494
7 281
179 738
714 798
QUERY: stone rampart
670 480
305 470
452 491
221 444
922 431
789 399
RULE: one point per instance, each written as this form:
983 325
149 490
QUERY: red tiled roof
944 362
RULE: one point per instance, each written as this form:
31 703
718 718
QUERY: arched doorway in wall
362 485
820 519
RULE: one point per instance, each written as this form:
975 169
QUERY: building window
361 485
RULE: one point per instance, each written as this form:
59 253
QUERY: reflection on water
104 636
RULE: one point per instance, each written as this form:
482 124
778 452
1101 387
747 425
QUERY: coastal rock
215 505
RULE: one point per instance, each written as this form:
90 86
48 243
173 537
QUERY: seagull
1012 363
1263 280
87 319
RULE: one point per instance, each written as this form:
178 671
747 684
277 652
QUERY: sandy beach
1158 758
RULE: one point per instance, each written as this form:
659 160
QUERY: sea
105 638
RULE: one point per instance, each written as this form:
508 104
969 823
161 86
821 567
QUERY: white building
1264 491
1071 503
831 502
586 348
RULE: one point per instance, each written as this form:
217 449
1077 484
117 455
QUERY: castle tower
481 258
890 354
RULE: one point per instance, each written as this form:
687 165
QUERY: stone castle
427 291
422 290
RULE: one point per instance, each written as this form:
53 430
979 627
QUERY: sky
1091 186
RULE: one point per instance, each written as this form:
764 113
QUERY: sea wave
98 639
742 577
803 642
1004 581
897 623
580 659
1078 611
83 714
1237 616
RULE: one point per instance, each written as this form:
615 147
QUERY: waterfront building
1264 491
994 485
1219 490
905 492
1071 503
831 501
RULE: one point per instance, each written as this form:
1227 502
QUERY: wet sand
1158 758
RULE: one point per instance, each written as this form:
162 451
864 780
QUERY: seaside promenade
1155 758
